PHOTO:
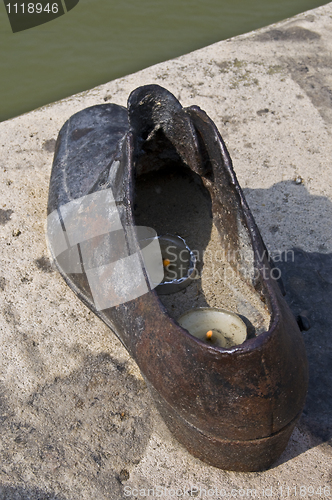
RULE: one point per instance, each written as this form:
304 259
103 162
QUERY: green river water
99 40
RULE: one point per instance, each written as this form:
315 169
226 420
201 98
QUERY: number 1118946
31 8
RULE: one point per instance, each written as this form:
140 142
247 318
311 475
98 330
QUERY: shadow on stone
308 282
18 493
293 34
307 278
88 427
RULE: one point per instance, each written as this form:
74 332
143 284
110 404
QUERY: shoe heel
241 456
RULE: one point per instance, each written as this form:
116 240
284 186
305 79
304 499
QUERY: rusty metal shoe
161 166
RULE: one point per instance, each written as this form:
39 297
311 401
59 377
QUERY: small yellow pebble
209 334
166 262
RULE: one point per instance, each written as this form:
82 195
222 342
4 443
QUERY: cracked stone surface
76 419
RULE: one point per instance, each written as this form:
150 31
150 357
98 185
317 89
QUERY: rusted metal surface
233 408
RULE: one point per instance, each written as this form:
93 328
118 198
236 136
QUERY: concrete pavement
76 419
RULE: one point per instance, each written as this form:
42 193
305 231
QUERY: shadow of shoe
305 220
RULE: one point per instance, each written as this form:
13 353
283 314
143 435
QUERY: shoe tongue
152 108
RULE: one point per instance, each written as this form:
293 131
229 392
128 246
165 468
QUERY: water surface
100 40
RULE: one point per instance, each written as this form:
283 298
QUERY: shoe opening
172 199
